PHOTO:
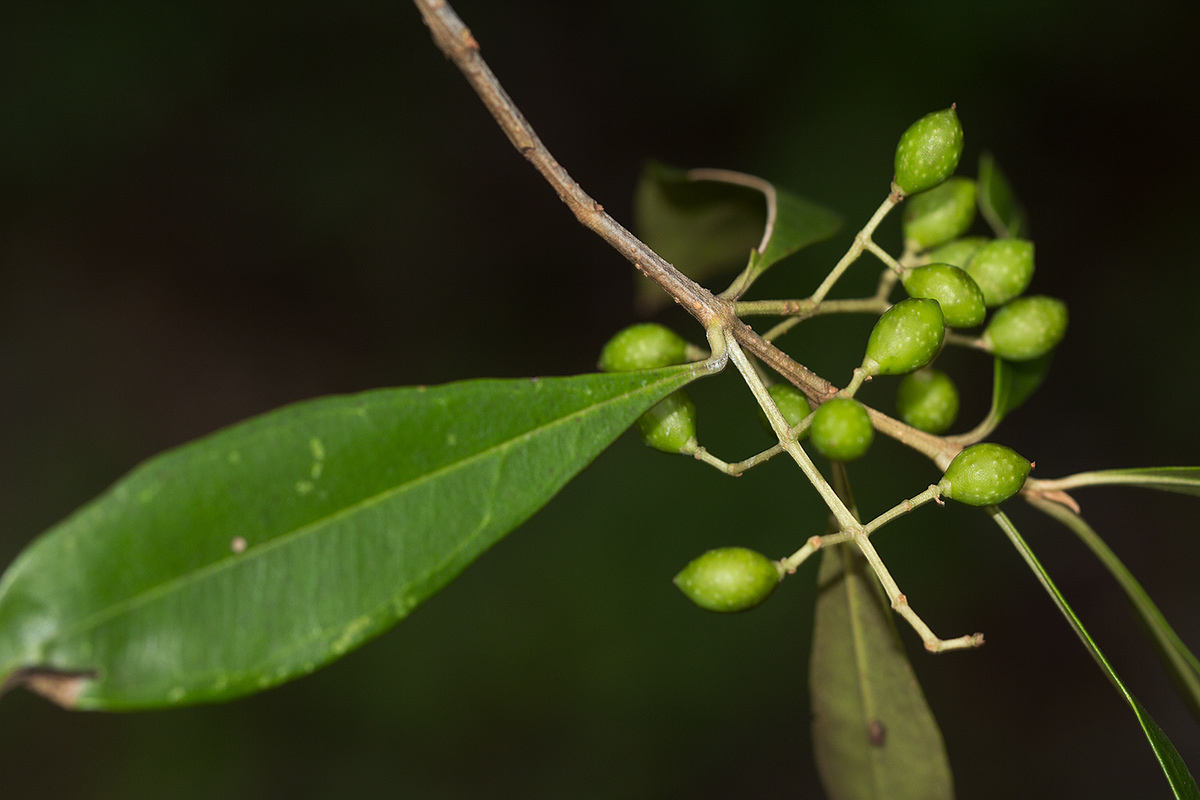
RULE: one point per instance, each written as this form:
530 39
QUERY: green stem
860 242
783 432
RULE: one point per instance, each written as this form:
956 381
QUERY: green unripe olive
841 429
670 425
791 402
928 151
984 474
1003 269
729 579
940 214
958 252
906 337
646 345
1026 328
928 400
956 292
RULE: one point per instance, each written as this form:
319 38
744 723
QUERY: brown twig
455 40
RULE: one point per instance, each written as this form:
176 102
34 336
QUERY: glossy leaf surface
707 221
874 734
997 203
258 553
1177 774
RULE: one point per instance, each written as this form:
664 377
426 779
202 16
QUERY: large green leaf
256 554
1181 781
708 221
1179 660
996 200
1185 480
873 732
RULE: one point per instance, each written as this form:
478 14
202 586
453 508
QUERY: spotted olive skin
960 298
906 337
958 252
729 579
670 425
1003 269
646 345
841 429
984 475
927 400
1026 328
791 402
940 214
928 151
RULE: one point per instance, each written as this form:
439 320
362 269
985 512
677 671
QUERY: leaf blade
1179 660
997 202
874 735
256 554
1180 779
1015 381
707 221
1183 480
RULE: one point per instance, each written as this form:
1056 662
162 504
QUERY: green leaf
1015 381
258 553
707 221
874 734
1181 781
996 201
1179 660
1184 480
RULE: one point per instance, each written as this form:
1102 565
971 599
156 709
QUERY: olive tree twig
455 40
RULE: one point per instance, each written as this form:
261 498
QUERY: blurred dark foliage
208 210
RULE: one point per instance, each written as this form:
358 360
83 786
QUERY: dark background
208 210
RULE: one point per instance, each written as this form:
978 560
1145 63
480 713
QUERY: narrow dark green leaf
873 732
1184 480
1015 381
1178 659
997 203
1181 780
708 221
256 554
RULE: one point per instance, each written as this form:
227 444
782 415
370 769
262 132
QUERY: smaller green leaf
1015 381
706 221
996 201
1184 480
1177 774
1179 660
873 732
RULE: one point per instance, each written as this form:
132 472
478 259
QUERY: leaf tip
60 687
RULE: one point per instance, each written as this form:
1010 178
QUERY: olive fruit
729 579
670 425
958 252
791 403
928 151
1026 328
940 214
907 336
646 345
841 429
956 292
928 400
984 474
1003 269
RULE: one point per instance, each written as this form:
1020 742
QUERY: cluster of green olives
952 281
966 275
